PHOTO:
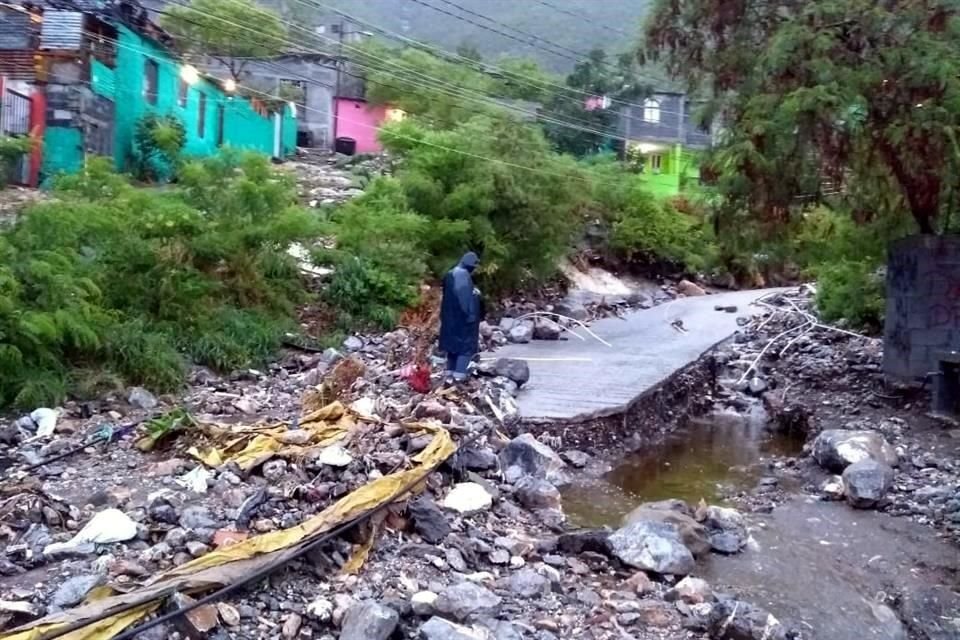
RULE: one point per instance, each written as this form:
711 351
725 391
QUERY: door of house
220 118
15 121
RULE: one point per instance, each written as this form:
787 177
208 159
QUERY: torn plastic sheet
110 525
251 446
232 563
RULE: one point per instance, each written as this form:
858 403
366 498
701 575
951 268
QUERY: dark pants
457 364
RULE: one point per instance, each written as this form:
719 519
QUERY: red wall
358 120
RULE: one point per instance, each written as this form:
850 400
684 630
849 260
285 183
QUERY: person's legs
461 365
451 366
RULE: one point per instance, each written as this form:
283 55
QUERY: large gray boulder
465 599
837 449
521 333
693 534
652 546
865 483
537 493
739 620
527 456
368 620
516 370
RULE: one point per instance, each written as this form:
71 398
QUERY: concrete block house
91 69
661 131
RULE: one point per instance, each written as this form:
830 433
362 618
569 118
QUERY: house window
651 111
656 163
202 115
150 71
182 94
220 118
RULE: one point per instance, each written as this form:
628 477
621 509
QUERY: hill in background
613 25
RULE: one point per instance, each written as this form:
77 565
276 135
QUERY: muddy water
707 459
820 567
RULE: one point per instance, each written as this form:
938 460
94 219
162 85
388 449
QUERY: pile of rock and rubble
325 179
874 448
483 552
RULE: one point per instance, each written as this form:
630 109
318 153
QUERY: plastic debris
335 456
365 407
110 525
196 480
46 421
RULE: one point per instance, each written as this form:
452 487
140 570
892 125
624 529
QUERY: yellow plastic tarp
231 564
251 446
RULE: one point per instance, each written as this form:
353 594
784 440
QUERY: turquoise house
101 69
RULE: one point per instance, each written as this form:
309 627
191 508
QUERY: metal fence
15 121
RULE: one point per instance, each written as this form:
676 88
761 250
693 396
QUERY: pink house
358 120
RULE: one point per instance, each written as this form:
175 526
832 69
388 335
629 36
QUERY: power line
419 141
485 67
580 16
454 90
520 31
428 78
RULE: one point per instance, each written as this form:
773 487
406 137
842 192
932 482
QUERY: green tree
596 76
221 29
862 91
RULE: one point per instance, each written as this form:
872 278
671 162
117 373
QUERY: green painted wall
62 152
669 182
289 131
243 127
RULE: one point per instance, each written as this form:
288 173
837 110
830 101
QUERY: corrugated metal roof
17 65
62 30
14 31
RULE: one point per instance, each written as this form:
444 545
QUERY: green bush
157 143
129 281
853 291
11 148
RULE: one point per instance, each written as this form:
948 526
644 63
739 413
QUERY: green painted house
660 134
102 67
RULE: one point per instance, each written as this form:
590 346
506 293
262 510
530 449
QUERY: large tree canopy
861 90
222 30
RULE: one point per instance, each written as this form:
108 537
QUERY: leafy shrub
853 291
116 278
157 143
491 184
11 148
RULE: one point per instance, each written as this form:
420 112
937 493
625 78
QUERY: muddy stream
820 567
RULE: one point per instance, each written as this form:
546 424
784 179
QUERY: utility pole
336 95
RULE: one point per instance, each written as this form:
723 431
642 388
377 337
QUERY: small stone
527 583
352 344
229 614
725 543
142 399
832 488
641 583
757 385
196 548
499 556
455 560
535 493
428 520
246 405
652 546
690 289
865 483
424 603
274 470
654 613
520 333
73 590
546 329
691 591
440 629
321 610
513 369
467 498
196 517
163 512
576 458
462 600
525 455
434 410
369 620
291 626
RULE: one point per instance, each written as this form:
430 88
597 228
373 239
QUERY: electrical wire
443 86
482 66
579 16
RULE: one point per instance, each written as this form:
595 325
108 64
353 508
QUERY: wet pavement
579 380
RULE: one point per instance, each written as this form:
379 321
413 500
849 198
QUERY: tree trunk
921 187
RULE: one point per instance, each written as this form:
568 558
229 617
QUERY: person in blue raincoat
460 314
